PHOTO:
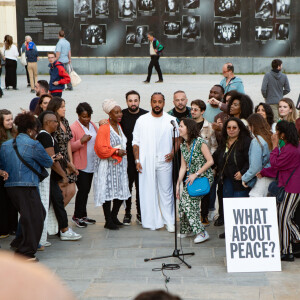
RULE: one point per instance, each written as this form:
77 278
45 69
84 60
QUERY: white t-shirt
11 53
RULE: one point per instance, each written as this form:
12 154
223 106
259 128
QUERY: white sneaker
211 215
70 235
184 235
47 244
201 237
170 228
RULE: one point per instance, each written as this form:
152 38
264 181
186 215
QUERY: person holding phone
82 144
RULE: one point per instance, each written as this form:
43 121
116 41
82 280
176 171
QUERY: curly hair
38 110
192 130
3 134
290 132
268 110
54 105
292 116
246 105
84 106
25 121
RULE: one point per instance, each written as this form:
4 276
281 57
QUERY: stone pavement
110 264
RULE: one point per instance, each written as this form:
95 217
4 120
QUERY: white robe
154 137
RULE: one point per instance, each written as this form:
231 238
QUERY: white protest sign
251 232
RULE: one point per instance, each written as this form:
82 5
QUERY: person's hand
190 179
58 156
72 168
213 101
139 167
85 138
103 122
238 176
55 83
64 182
177 191
258 175
121 152
275 140
169 157
244 184
4 174
215 126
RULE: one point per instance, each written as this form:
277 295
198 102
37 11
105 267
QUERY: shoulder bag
277 191
200 186
75 79
44 174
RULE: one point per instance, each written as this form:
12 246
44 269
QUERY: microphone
173 123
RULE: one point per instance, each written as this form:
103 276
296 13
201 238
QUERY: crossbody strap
24 161
290 177
227 157
191 157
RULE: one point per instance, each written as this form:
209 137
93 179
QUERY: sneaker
32 259
79 222
211 215
204 221
184 235
222 235
219 221
3 236
28 85
139 219
146 81
70 235
170 228
47 244
127 220
201 237
32 91
88 221
41 248
159 81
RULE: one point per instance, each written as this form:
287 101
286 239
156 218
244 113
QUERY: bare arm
182 172
57 55
136 154
69 56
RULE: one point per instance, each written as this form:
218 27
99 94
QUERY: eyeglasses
232 127
195 109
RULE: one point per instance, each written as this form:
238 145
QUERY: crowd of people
240 149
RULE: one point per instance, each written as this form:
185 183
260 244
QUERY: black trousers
27 74
133 177
109 214
205 205
8 213
56 94
57 200
220 200
154 63
32 214
10 73
84 182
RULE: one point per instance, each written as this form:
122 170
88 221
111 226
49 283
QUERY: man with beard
153 152
41 88
180 109
130 115
212 109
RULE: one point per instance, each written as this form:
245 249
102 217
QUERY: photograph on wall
227 8
283 8
282 31
82 8
172 29
191 27
127 9
172 7
191 4
263 33
146 6
93 35
101 8
137 35
264 9
227 33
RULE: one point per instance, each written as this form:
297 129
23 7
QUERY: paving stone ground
110 264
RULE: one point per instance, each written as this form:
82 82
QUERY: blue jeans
229 192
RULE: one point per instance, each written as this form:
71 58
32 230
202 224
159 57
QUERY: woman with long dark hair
42 104
265 110
196 157
285 164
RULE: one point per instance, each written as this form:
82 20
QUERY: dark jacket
32 55
237 161
58 73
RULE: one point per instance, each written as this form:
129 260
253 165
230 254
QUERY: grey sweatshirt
274 87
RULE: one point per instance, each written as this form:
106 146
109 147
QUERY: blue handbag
200 186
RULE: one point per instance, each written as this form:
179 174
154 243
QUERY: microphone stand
176 252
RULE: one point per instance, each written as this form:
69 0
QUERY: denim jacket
259 158
31 151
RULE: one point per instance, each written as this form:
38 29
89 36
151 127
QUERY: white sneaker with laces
70 235
47 244
201 237
170 228
211 215
184 235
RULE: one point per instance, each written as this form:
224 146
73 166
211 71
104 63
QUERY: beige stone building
8 20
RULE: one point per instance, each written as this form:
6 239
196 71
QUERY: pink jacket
79 151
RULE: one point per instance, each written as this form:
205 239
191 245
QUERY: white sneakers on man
70 235
201 237
170 227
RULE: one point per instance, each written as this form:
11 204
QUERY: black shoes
127 219
222 235
32 91
159 81
139 219
146 81
219 222
287 257
116 221
111 225
88 221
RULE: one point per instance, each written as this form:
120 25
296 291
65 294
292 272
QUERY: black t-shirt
33 104
127 123
48 141
200 125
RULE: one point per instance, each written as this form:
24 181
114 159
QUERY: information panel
184 27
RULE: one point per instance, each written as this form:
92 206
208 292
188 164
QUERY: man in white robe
153 152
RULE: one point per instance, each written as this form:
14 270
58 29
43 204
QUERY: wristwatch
137 161
198 174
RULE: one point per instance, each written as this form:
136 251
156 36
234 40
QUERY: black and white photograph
263 33
102 8
172 29
264 9
227 8
82 8
191 4
127 9
283 8
93 35
227 33
191 27
172 7
137 35
146 5
282 31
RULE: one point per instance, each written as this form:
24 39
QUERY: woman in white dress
110 177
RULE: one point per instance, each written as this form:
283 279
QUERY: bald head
228 70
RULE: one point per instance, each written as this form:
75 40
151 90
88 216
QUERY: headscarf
108 105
